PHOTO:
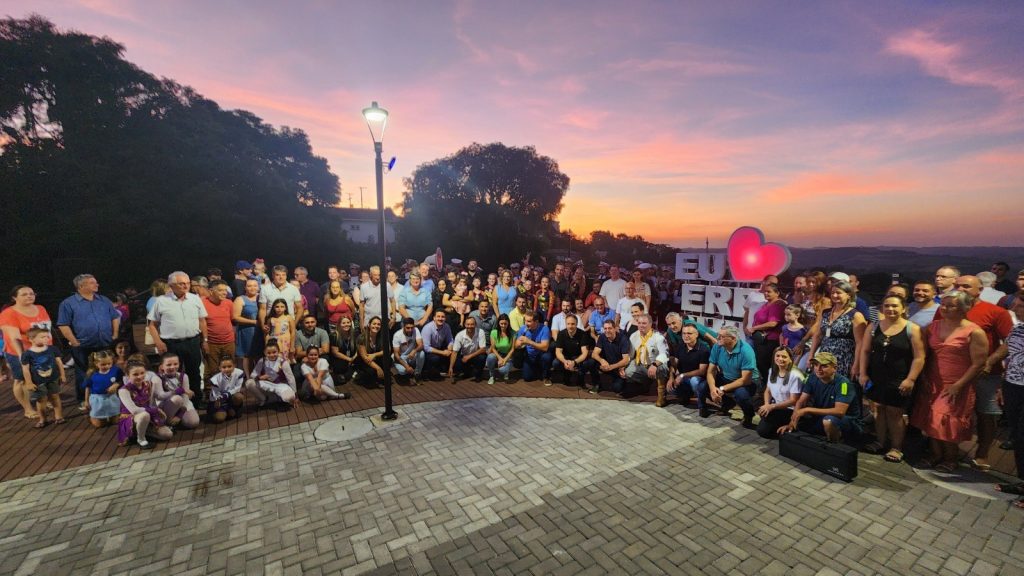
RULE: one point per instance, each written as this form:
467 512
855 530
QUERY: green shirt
502 344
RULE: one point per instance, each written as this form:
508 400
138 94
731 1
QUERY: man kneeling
829 404
650 358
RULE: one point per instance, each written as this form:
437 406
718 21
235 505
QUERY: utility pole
361 188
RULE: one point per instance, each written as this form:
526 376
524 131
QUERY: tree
491 201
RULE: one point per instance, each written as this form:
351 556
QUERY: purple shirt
775 311
311 293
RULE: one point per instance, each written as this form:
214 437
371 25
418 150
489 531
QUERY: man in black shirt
689 362
611 356
572 352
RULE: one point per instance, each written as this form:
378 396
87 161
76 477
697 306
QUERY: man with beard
922 309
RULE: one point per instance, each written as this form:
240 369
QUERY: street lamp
377 120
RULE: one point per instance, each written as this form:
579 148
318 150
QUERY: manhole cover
343 429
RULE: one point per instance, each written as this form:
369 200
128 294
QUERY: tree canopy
107 169
491 201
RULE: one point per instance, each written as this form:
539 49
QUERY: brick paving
498 486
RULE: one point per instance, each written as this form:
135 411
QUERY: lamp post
377 120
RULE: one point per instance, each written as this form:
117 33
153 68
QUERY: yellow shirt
516 320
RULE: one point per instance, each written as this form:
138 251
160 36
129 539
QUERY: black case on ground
837 459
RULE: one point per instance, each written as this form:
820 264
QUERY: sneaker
344 395
144 444
81 407
593 390
704 411
505 378
547 382
490 380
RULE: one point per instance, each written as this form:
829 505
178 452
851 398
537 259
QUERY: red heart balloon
751 258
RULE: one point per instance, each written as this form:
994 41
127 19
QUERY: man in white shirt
279 288
369 297
177 323
469 352
988 292
613 288
650 358
622 310
558 321
407 346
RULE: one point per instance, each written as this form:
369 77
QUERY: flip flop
1016 488
977 466
894 456
39 425
1019 504
58 421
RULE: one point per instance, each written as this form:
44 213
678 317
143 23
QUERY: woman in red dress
957 349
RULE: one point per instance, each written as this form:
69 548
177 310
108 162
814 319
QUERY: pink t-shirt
11 317
776 311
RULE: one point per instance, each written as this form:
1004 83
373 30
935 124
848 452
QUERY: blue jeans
743 396
434 365
492 366
690 387
537 366
416 363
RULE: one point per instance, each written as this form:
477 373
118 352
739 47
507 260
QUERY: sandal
894 456
945 467
39 424
978 466
58 421
1019 503
1016 488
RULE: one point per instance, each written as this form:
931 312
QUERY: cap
841 276
353 265
825 358
644 266
456 261
242 265
514 265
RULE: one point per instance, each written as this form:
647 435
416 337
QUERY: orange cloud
827 184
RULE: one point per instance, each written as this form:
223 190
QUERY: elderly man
945 281
533 348
407 347
89 322
732 375
469 353
485 318
437 345
177 323
611 356
829 404
622 310
613 288
426 282
600 314
572 353
996 323
988 292
649 362
279 288
220 330
689 362
369 297
307 288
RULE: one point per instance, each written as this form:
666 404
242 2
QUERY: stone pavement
502 486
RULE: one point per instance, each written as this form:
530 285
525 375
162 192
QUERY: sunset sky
823 123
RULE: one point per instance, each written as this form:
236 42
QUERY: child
460 301
273 375
780 395
122 350
226 395
44 374
140 418
282 328
316 374
101 384
173 393
794 333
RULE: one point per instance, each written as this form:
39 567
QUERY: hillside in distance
909 261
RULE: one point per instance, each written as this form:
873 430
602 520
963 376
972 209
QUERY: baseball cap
242 265
841 276
825 358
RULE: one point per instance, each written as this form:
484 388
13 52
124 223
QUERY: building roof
363 214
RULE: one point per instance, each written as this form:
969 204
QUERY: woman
840 330
814 300
543 302
1013 404
371 352
441 300
767 327
344 350
944 409
499 358
891 359
595 293
335 306
243 314
15 322
780 395
505 294
578 286
157 289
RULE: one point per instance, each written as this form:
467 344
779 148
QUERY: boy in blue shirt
44 374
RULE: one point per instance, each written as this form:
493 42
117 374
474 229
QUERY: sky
822 123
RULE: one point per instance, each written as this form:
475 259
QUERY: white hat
644 266
456 261
841 276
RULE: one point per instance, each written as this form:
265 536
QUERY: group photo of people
939 361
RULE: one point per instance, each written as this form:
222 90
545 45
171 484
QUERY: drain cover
343 429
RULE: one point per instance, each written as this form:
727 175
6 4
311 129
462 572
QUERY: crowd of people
943 358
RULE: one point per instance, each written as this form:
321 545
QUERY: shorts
44 389
15 363
985 391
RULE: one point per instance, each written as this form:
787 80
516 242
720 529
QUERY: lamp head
376 120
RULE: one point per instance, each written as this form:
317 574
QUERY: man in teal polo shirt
829 405
732 376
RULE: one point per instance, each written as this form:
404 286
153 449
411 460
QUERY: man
214 274
426 282
177 323
308 289
473 271
219 327
799 287
1003 283
613 288
517 317
469 352
332 274
353 272
1014 301
649 362
407 346
89 322
558 320
309 334
674 334
437 346
243 272
689 363
415 302
602 272
863 304
622 309
279 288
572 352
922 310
560 281
732 375
996 323
829 404
611 356
533 342
485 319
598 317
945 281
988 292
369 297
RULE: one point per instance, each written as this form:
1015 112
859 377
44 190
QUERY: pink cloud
952 62
829 184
